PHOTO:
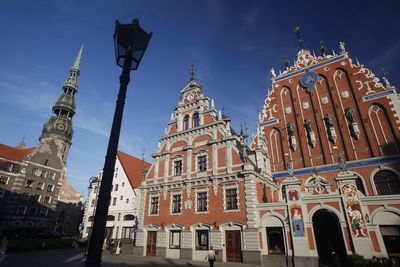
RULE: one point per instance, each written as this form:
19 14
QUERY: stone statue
328 120
290 169
342 164
307 125
349 113
342 48
290 128
273 72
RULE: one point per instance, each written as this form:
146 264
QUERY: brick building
35 195
320 176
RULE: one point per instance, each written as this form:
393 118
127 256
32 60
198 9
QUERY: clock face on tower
308 80
60 126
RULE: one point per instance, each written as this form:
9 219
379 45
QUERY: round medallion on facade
308 80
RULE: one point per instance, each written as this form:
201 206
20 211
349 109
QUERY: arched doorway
328 236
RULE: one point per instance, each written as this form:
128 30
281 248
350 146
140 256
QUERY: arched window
196 120
129 217
387 183
110 218
360 185
186 122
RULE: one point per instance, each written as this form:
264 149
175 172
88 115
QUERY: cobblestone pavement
75 258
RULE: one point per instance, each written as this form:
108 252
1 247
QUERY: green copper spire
60 124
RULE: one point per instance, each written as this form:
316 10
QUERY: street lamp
130 44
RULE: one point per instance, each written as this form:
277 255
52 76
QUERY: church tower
59 127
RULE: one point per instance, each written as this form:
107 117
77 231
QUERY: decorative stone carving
292 139
310 133
288 110
342 164
354 130
318 185
345 94
324 100
306 105
330 129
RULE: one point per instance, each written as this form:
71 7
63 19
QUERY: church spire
77 62
59 126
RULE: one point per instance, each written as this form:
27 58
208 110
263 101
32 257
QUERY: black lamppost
130 44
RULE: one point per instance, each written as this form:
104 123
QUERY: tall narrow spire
77 62
59 126
301 44
192 71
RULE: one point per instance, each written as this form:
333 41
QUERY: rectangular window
29 183
176 203
34 172
40 186
50 188
231 199
121 197
127 232
123 184
202 163
52 176
114 201
92 203
43 174
202 239
8 167
43 212
32 211
154 205
178 167
35 198
116 187
202 201
127 200
3 180
21 210
175 239
46 199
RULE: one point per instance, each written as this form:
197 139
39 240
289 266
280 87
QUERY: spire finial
77 62
192 70
301 44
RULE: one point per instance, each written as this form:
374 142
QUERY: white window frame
229 187
150 207
44 199
52 188
40 188
177 193
31 185
203 190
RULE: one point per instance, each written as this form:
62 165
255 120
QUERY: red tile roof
133 168
14 153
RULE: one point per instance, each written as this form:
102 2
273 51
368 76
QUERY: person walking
211 256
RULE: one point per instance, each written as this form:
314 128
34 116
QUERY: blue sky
235 44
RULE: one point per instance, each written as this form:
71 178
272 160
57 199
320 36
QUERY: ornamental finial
301 44
192 70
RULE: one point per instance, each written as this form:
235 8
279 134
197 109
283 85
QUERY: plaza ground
75 258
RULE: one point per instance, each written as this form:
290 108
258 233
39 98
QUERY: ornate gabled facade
330 128
201 189
34 192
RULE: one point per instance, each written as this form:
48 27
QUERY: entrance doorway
151 243
328 236
233 246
